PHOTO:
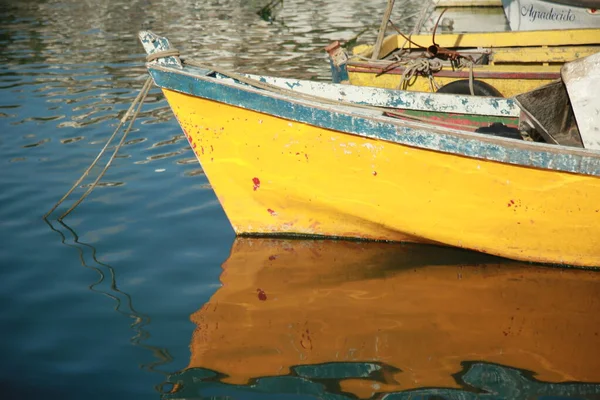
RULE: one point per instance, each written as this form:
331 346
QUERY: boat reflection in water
343 320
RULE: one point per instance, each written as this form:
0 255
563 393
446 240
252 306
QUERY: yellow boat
292 157
498 63
346 320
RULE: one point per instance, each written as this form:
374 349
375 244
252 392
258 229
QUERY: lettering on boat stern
262 296
256 183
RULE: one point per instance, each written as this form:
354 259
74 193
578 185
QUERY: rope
138 100
161 54
423 66
466 63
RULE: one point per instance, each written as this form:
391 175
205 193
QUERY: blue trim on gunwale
345 120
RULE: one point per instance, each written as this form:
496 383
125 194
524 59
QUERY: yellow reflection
420 309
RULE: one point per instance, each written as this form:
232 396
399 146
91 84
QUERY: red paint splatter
262 296
511 203
272 258
272 212
306 341
256 182
374 173
194 145
202 148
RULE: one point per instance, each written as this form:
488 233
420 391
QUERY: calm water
144 291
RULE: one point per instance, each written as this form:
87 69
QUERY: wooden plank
390 98
542 54
496 40
582 79
567 37
467 3
382 29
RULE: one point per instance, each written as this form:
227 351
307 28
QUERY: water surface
115 302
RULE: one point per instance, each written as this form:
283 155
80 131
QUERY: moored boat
291 157
499 63
527 15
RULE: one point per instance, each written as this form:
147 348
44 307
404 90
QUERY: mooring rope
426 67
139 100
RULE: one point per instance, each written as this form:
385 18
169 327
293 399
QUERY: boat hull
276 175
529 15
518 61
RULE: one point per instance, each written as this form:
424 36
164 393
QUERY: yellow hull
507 87
275 176
518 62
421 310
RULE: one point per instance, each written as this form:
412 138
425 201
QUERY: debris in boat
499 129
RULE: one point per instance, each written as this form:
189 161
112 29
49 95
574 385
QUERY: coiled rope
422 66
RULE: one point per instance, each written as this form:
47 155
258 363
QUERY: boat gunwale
478 72
453 141
408 100
497 40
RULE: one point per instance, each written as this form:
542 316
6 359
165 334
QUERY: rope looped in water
139 101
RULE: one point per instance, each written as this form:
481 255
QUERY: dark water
122 300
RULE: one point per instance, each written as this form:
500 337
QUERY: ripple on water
94 303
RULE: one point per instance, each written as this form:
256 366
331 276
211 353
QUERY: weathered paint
339 73
316 165
535 15
509 83
153 43
544 54
493 40
582 80
389 98
479 72
519 61
371 123
424 312
467 3
417 194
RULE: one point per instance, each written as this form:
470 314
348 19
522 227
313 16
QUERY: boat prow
293 157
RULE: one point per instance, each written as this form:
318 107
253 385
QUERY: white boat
530 15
